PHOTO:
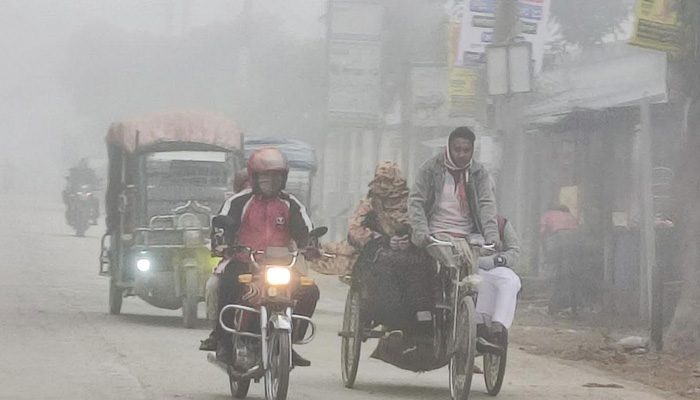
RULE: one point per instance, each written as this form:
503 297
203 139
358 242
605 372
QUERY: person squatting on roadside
560 231
263 216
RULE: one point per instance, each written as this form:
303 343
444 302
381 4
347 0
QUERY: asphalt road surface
57 340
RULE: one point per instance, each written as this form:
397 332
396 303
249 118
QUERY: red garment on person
555 221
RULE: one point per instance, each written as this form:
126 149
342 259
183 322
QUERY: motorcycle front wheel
81 221
278 365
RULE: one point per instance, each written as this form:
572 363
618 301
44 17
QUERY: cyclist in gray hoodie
453 194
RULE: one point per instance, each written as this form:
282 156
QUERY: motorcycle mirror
318 232
222 221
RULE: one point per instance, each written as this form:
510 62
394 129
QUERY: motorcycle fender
281 322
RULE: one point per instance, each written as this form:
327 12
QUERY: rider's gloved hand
486 263
313 253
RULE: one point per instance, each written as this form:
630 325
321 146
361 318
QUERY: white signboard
429 90
478 20
354 81
357 19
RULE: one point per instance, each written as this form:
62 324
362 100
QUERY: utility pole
508 120
244 65
651 286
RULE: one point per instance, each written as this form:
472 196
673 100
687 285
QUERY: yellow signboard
462 91
656 26
463 82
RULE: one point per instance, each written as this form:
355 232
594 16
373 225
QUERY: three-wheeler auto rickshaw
168 175
302 164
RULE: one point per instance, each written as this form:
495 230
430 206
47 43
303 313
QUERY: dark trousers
563 267
230 292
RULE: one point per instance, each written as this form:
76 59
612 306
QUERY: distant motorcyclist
79 176
264 216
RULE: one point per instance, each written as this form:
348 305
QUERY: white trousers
498 294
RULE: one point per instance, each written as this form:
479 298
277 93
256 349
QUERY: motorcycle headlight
143 264
278 276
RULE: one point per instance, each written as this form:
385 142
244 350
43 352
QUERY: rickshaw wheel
462 361
495 366
351 338
115 297
239 389
191 299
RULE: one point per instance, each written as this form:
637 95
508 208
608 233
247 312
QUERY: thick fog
71 67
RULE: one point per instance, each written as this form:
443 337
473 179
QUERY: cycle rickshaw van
168 175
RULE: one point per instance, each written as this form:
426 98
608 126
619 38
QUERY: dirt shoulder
594 340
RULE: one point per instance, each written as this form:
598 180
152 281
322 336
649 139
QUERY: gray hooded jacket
427 189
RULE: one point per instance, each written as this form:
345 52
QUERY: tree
586 23
684 333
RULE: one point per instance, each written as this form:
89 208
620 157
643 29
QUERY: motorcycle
262 328
81 210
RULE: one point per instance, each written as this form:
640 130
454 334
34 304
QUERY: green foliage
587 22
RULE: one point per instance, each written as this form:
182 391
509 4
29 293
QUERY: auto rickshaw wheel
190 300
461 365
115 297
495 366
351 338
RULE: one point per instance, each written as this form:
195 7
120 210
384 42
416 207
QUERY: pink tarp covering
181 126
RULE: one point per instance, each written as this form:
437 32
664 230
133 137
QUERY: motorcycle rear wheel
279 358
239 389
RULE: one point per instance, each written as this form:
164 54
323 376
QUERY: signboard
478 20
462 91
462 82
356 20
656 26
354 82
442 95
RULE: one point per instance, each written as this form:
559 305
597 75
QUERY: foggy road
57 340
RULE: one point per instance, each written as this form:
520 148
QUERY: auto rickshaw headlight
277 276
143 264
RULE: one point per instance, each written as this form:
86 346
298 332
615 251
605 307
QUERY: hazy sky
35 108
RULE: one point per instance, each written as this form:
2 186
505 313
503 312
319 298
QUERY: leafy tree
587 22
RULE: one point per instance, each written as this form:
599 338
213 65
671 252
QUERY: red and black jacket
259 223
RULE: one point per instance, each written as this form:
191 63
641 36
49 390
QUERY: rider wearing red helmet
264 216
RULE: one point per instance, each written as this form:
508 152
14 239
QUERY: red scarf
461 176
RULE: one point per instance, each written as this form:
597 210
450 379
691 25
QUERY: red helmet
267 159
